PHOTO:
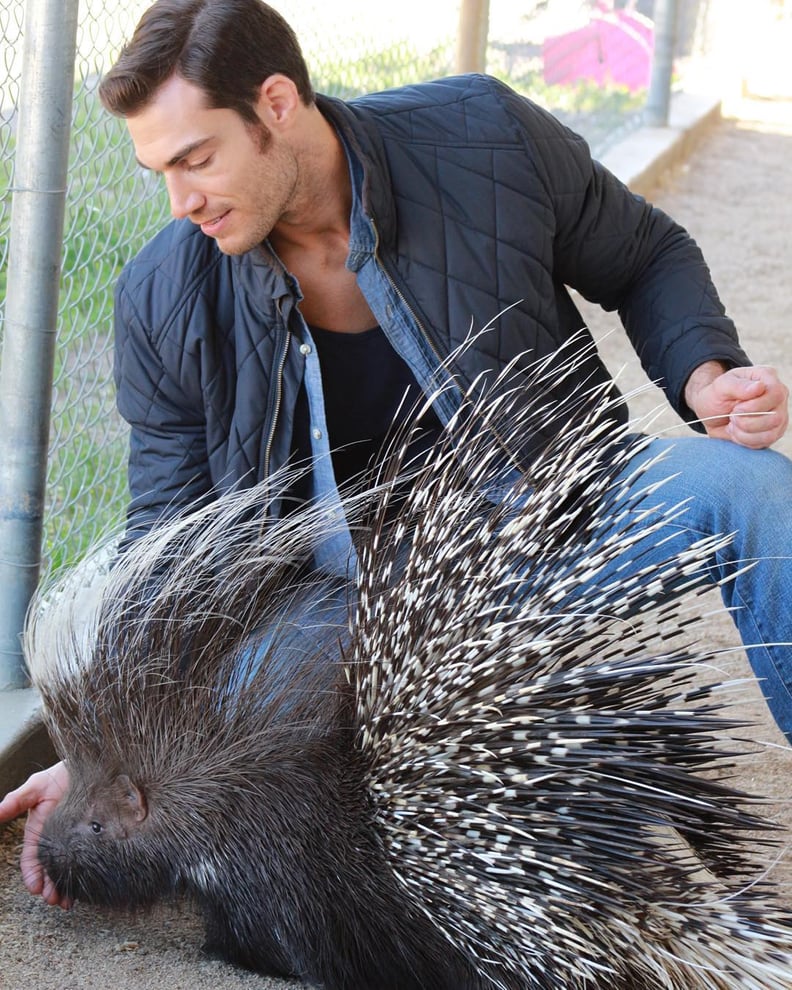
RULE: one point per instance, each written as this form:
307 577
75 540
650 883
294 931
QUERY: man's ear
278 100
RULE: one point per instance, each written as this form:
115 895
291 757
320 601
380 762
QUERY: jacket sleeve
168 465
621 252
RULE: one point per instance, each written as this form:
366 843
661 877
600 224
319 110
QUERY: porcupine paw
256 962
265 958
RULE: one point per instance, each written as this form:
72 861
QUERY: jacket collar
358 128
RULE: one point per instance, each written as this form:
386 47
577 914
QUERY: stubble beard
264 224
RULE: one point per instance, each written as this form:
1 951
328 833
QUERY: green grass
599 113
398 65
111 212
112 209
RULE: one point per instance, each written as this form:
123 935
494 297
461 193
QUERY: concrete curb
24 745
643 157
639 161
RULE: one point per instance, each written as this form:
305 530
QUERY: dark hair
225 47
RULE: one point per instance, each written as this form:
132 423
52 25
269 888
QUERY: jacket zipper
278 393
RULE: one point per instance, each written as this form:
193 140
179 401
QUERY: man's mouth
211 227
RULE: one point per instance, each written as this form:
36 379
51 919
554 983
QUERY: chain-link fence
588 61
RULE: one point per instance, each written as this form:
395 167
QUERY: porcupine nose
55 863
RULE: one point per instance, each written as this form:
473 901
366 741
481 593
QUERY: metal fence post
658 100
31 308
473 35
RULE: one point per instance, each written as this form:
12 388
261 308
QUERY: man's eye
194 166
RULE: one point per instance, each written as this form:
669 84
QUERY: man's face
233 179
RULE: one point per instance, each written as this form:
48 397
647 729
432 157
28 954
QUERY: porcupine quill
484 763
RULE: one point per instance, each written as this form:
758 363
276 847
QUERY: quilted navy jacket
480 201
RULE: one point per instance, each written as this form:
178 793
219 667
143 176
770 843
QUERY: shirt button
317 434
305 349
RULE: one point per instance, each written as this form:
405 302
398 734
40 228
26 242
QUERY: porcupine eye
96 827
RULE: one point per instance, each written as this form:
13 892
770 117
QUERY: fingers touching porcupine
478 764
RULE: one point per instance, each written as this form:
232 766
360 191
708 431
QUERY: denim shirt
336 554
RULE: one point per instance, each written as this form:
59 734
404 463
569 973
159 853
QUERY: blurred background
589 61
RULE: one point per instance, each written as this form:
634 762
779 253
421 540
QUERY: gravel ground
735 197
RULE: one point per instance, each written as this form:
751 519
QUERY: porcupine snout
93 849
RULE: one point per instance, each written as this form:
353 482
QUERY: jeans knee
725 487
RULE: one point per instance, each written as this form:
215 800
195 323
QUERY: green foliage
7 146
86 482
112 209
397 65
599 113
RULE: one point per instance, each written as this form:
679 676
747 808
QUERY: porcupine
465 768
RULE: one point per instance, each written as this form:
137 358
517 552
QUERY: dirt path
735 197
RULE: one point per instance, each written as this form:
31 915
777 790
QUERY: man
327 257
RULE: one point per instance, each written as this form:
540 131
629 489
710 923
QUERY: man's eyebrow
179 156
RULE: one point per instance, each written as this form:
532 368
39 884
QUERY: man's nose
185 199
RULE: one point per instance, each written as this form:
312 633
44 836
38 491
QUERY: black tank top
368 389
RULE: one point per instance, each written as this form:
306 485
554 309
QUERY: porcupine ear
130 800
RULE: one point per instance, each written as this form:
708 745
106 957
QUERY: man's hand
38 796
747 405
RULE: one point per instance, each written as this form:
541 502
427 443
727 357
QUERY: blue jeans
749 493
298 644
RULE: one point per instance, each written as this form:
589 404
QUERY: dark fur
298 883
